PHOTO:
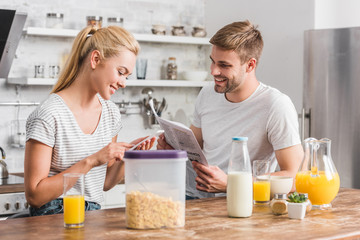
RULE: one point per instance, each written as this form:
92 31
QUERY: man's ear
251 65
95 59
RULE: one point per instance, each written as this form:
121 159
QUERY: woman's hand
113 151
148 144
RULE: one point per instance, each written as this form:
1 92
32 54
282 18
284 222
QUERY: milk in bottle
239 186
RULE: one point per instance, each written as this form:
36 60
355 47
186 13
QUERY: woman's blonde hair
242 37
108 41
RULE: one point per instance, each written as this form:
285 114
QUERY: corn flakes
146 210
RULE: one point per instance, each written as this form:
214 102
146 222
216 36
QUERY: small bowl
195 75
280 184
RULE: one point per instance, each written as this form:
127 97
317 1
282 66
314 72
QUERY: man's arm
289 160
198 134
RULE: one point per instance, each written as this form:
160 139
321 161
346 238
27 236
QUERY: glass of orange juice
74 201
261 186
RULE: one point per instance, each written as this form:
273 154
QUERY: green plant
296 198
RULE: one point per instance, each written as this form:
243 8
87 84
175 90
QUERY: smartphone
157 134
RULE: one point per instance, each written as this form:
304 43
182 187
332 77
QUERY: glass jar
115 21
95 21
54 20
178 31
171 69
278 204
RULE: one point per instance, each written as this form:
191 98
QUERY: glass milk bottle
239 184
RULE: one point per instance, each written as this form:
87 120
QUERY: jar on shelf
95 21
54 20
115 21
278 204
171 69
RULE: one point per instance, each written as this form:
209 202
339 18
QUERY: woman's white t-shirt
53 124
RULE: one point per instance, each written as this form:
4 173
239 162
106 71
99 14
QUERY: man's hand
210 178
162 144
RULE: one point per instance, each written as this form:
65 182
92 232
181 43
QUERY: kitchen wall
138 17
337 13
282 24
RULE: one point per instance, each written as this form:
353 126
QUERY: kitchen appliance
12 195
11 28
331 96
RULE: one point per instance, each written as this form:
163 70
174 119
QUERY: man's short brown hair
242 37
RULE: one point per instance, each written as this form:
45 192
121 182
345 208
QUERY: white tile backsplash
138 17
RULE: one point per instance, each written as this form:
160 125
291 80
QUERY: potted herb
297 204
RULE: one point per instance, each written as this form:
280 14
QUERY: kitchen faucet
3 154
3 167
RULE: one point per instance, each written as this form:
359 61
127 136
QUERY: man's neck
244 91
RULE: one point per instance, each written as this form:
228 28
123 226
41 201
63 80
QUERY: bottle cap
172 58
280 195
240 138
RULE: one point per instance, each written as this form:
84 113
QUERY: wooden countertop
12 188
205 219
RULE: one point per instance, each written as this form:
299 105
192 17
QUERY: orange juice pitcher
317 175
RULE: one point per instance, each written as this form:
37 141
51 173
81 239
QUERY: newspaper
180 137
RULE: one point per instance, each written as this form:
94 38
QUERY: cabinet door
115 197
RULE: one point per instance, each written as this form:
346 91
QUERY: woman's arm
39 188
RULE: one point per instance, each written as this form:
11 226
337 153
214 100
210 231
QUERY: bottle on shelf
240 183
171 69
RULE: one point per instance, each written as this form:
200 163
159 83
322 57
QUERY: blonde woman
75 128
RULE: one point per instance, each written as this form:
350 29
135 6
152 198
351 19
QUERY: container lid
280 195
240 138
115 19
55 15
155 154
96 18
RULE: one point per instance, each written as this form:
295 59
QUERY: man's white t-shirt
268 118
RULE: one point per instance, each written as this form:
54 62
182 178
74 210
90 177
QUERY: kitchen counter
12 188
205 219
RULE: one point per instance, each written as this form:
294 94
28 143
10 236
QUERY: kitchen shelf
54 32
148 83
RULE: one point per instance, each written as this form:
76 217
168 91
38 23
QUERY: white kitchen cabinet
115 197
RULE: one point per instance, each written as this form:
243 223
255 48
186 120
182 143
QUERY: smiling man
239 105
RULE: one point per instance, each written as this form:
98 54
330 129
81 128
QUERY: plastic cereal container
155 188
